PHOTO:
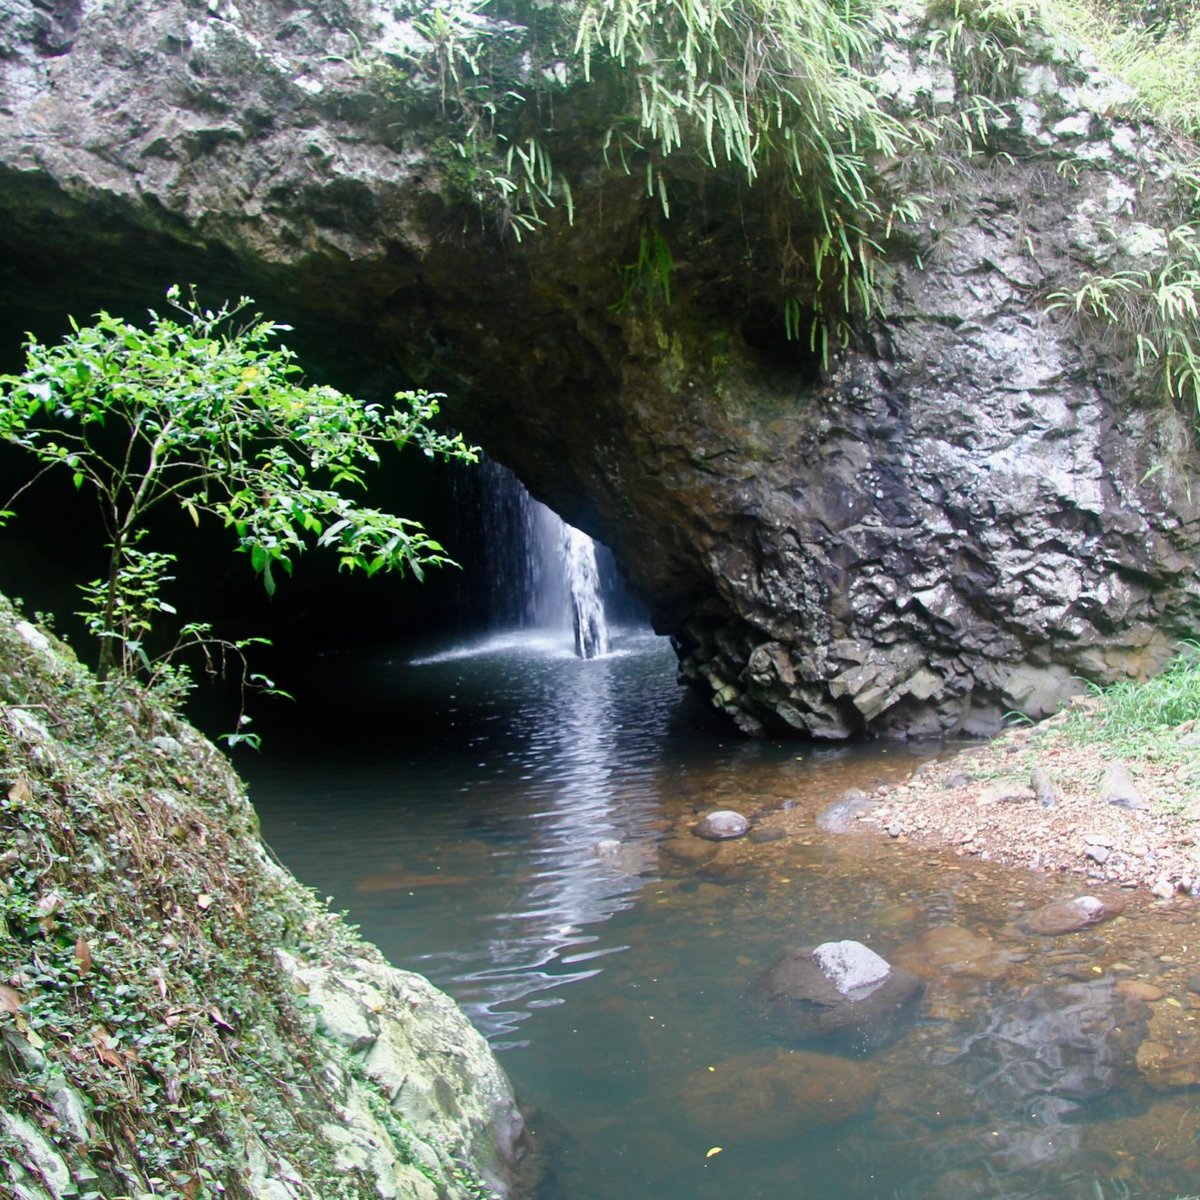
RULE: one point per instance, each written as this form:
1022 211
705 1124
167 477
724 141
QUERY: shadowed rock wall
951 520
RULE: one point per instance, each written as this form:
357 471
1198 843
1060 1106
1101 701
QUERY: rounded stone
1069 916
772 1094
836 989
721 825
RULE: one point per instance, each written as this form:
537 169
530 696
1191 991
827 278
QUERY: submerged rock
949 952
1069 916
688 851
722 825
771 1094
1169 1058
1053 1046
837 988
842 815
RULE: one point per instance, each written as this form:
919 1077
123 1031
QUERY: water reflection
525 828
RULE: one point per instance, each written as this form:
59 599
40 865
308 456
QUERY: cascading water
536 571
583 583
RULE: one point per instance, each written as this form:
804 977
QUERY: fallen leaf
20 792
83 956
218 1019
714 1150
100 1040
204 901
10 1000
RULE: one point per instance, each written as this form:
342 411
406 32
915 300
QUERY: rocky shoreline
1034 797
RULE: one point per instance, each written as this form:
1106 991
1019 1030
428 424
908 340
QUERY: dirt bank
1087 821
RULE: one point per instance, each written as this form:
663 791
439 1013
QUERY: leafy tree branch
204 409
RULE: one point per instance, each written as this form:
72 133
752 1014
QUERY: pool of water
452 801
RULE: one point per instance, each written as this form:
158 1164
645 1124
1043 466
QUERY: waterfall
529 569
583 583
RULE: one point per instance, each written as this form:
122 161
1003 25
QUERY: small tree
205 410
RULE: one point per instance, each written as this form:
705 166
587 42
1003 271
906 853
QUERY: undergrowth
138 931
773 90
1143 720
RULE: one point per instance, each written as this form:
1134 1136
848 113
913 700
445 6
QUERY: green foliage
773 88
1167 700
649 275
1157 56
139 933
205 411
981 40
1154 314
1141 720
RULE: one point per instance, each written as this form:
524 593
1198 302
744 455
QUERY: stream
451 799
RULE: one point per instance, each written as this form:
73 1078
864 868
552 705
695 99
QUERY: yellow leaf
714 1150
203 901
20 792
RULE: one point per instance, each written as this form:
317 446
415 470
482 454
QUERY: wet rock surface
949 951
1069 915
843 813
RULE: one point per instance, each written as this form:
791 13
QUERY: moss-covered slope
178 1016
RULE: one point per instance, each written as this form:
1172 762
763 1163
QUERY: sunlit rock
837 988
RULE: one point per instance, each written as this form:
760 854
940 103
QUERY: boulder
837 989
1046 1050
842 815
1117 787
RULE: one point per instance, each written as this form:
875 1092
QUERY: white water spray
583 584
542 572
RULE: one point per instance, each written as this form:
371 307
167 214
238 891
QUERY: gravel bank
1088 820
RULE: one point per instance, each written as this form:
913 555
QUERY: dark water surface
452 802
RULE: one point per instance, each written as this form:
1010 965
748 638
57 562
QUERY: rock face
951 520
838 989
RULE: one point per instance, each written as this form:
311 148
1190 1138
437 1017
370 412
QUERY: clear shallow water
452 799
